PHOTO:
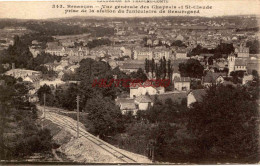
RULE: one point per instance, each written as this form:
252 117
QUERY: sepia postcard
129 82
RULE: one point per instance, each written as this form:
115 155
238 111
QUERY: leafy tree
237 76
20 96
105 116
224 48
49 97
169 69
153 66
9 80
147 65
161 137
196 84
90 68
67 98
198 50
192 68
178 43
18 53
219 51
253 46
226 131
210 60
164 67
255 75
98 42
238 73
17 111
157 71
70 77
2 69
139 75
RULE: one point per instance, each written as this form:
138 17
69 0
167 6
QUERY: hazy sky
43 9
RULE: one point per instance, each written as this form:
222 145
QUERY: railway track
69 123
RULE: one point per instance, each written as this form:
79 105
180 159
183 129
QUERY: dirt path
88 148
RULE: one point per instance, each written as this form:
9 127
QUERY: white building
23 73
138 89
143 102
182 83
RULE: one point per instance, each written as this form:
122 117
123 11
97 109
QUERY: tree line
163 69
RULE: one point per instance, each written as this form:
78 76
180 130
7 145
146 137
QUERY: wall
190 99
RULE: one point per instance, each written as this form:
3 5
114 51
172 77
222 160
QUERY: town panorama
158 90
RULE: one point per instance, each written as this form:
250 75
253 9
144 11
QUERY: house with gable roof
212 78
143 102
127 105
195 96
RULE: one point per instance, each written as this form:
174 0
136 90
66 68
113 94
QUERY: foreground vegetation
20 136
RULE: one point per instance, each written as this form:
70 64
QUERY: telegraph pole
152 153
44 100
77 116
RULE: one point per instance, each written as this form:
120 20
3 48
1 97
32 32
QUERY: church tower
231 63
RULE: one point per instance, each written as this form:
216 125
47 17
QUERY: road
100 149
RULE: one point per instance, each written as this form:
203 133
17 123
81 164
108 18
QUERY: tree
255 75
224 48
9 80
17 111
178 43
50 98
210 60
253 46
20 96
169 69
67 98
164 67
90 68
192 68
237 76
105 116
157 71
153 66
147 65
139 75
99 42
18 53
226 131
2 69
